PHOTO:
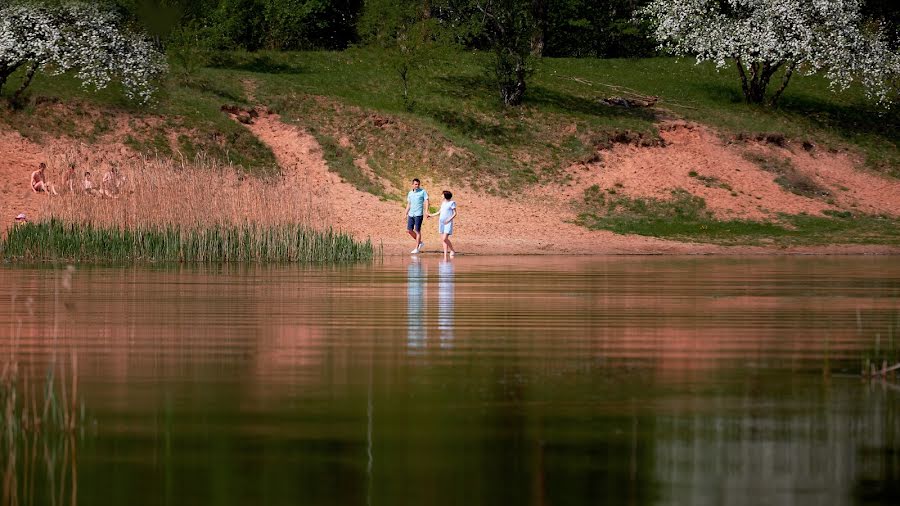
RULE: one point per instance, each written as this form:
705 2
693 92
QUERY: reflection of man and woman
416 279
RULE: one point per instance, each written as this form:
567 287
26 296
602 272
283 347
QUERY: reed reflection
445 303
415 305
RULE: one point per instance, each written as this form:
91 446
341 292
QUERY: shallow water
523 380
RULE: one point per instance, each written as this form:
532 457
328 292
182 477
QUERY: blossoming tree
764 37
80 37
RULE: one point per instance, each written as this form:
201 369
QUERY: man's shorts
414 223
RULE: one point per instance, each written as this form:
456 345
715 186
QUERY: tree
405 26
509 28
79 37
764 37
580 28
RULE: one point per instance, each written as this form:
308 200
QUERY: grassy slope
352 102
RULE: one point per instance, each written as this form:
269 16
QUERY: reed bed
57 240
183 211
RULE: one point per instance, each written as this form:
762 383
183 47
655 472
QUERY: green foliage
406 28
55 240
578 28
509 28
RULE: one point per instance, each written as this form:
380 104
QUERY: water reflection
445 303
415 305
752 449
570 381
40 468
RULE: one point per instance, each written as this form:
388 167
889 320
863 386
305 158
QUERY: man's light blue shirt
416 199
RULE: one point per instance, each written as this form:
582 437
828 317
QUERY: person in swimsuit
39 183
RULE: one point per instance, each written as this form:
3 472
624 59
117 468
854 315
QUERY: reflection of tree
813 447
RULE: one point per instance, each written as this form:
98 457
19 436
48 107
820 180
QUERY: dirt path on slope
486 224
541 223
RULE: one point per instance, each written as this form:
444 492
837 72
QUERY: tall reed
56 240
184 210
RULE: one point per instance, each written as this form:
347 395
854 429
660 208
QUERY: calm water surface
635 380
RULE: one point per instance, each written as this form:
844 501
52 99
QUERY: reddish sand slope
540 223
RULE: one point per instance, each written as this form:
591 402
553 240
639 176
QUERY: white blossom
765 36
79 37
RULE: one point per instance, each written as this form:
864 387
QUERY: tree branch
788 72
7 70
744 87
29 75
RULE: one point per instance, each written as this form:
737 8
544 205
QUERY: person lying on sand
39 181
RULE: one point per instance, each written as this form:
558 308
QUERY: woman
447 214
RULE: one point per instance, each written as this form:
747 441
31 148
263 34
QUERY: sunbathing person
113 181
87 186
39 181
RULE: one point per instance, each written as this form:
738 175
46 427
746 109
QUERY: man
416 210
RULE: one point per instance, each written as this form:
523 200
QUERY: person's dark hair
448 195
416 180
87 173
42 165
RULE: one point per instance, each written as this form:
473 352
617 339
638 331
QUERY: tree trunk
539 11
755 84
744 86
512 81
29 75
6 70
4 75
788 72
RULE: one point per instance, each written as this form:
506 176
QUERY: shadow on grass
719 93
848 120
501 133
483 87
469 87
249 62
568 103
211 86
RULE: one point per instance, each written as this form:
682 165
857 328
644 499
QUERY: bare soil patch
733 186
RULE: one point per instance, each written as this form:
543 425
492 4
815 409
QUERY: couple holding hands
417 210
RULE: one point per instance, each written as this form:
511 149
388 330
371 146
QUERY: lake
482 380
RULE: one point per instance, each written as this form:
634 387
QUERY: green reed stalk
56 240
